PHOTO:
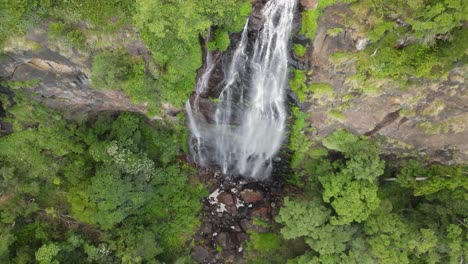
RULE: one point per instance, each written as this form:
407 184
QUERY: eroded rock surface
426 119
60 77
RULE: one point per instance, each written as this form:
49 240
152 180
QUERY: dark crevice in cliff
387 120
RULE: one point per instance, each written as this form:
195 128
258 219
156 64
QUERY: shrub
299 50
298 85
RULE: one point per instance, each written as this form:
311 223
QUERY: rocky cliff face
59 76
428 118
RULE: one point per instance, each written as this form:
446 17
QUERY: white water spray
249 120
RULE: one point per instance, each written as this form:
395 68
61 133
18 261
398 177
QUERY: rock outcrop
428 119
60 77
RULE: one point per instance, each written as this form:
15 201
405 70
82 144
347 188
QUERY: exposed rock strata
438 105
63 78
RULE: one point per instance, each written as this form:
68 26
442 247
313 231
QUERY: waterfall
250 115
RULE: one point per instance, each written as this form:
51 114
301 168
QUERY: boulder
248 225
261 212
309 4
200 254
226 198
251 196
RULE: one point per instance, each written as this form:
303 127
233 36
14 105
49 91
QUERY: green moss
434 108
343 107
333 32
455 124
72 36
367 85
433 129
322 90
118 70
317 153
348 97
309 23
20 43
15 85
399 144
220 41
310 19
298 85
264 243
299 50
377 33
4 102
341 57
299 143
337 115
214 100
260 222
407 112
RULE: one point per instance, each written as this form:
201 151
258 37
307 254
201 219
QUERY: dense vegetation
114 188
408 41
349 214
107 189
171 30
97 191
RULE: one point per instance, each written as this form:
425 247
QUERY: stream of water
250 115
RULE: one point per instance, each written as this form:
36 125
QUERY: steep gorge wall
427 118
58 76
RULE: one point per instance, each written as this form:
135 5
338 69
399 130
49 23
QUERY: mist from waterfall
250 115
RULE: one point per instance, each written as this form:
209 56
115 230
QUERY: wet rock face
424 120
251 196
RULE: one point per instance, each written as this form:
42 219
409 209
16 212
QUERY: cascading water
249 120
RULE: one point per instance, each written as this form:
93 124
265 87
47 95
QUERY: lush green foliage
72 36
220 41
299 142
299 50
309 22
270 247
409 39
416 60
103 191
117 69
310 18
427 19
433 178
298 85
333 32
264 242
111 189
172 30
346 216
18 16
110 68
